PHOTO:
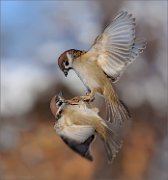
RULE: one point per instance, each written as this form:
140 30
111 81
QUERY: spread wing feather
117 46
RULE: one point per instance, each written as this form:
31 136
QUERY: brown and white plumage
117 46
78 124
105 62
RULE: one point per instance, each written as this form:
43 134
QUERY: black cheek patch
60 103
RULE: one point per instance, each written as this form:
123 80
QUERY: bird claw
74 101
88 98
92 99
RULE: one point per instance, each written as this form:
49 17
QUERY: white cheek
67 67
69 57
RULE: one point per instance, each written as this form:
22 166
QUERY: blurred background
33 35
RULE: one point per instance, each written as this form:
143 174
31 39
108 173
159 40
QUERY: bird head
66 59
57 104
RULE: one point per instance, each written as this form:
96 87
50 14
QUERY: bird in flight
78 125
104 63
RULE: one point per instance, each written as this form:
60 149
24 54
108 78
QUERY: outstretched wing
117 46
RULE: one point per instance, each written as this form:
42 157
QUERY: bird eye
66 63
60 103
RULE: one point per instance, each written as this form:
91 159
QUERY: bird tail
112 144
116 111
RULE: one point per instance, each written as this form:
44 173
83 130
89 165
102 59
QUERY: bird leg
89 97
73 101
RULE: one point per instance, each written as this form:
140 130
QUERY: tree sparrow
78 125
111 53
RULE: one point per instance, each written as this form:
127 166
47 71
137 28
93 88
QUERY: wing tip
124 13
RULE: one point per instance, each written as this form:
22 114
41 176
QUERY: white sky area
34 34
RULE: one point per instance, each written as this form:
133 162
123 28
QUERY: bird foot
87 98
74 101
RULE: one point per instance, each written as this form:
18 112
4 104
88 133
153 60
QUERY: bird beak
66 72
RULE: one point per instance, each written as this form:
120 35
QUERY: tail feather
126 108
112 145
117 111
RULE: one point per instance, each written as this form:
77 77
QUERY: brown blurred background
33 34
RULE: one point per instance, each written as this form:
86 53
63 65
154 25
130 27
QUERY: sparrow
78 125
105 62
